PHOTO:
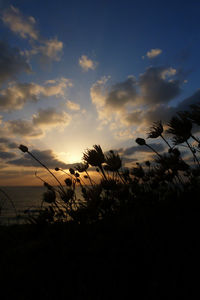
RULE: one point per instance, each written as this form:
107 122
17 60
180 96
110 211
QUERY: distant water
23 197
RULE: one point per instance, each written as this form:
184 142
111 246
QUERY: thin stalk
195 158
102 171
89 177
165 141
8 197
47 170
153 150
194 138
122 179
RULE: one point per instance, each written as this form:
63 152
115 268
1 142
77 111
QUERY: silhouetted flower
138 172
94 157
175 151
147 163
68 182
71 171
23 148
156 130
180 126
49 196
113 161
82 167
140 141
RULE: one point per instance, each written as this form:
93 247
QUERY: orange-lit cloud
86 63
153 53
16 95
72 105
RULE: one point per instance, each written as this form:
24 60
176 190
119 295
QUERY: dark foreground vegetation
133 235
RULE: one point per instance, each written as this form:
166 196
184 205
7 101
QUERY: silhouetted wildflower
71 171
94 157
23 148
49 196
147 163
68 181
180 127
113 161
140 141
156 130
82 167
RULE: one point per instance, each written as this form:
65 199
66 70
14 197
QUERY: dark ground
147 253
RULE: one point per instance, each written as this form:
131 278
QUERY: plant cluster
165 178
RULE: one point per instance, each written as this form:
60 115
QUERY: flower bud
140 141
23 148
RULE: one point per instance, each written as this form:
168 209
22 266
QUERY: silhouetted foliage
120 188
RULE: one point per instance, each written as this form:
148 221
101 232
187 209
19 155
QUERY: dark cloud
134 149
134 117
11 62
156 87
7 155
8 143
47 157
51 117
122 93
23 127
185 104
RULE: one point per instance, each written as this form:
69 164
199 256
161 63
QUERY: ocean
23 197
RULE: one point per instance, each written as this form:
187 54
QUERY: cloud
47 50
47 157
113 99
51 49
6 155
25 27
155 87
8 143
86 63
22 128
132 150
138 102
121 93
72 105
19 24
11 62
51 118
153 53
134 117
16 95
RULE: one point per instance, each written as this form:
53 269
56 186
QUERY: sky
78 73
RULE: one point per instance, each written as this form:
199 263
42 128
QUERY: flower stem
47 170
